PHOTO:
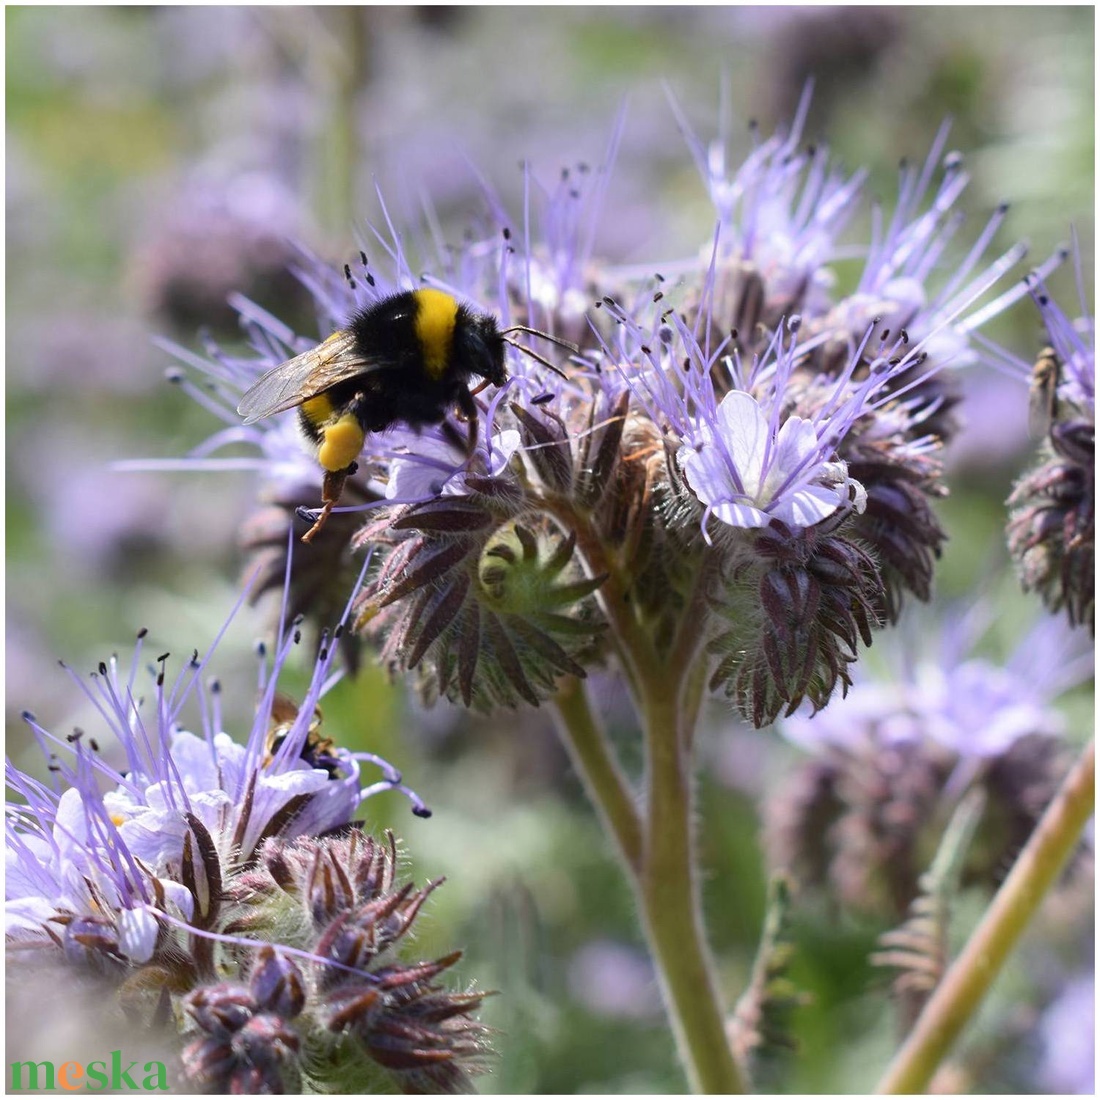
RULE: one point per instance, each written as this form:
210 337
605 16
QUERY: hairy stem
595 761
966 983
658 851
670 899
661 866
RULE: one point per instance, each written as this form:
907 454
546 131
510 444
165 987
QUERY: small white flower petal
195 760
795 443
747 479
808 505
178 895
744 432
155 836
137 934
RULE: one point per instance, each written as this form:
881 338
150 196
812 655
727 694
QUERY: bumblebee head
479 348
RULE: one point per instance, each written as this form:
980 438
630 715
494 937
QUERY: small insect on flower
1043 394
317 751
405 358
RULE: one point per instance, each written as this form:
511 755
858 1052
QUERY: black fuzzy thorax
399 387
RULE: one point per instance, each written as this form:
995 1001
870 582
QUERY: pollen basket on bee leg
436 314
341 444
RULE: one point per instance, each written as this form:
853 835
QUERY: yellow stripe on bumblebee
436 315
318 409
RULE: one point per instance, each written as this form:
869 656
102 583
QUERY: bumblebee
1043 394
317 751
406 358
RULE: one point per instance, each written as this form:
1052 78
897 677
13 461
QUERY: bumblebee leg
468 407
456 438
331 488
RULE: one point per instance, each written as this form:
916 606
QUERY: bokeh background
159 159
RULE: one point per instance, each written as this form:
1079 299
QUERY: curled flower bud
266 1053
816 593
898 524
220 1009
276 984
396 1013
238 1047
490 613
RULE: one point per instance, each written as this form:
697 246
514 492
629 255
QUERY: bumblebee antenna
568 345
545 336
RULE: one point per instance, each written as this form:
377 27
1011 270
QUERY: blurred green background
158 159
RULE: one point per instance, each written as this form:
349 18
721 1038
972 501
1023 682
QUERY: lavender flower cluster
737 456
889 765
225 889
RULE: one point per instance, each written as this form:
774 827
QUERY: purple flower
969 704
782 210
225 888
1068 1033
781 214
434 467
114 843
1052 510
748 473
889 763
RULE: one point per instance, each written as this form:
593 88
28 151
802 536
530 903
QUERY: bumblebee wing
284 711
303 377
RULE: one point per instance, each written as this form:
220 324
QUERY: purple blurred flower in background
890 761
1052 509
1067 1030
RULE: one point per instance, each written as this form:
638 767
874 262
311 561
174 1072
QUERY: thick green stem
972 973
598 768
667 691
671 903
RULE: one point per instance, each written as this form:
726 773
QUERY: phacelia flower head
731 443
139 864
890 762
347 1013
780 218
780 213
1052 509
